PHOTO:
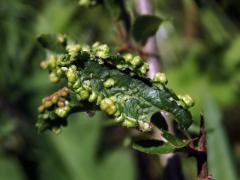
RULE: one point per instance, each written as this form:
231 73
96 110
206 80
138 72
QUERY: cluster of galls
184 100
133 63
57 101
62 66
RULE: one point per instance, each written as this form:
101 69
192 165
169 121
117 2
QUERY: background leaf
145 26
219 156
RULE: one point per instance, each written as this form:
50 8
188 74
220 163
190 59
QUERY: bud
160 77
109 83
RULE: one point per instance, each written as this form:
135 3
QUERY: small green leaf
145 26
153 147
173 140
54 43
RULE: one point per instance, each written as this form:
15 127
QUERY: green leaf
145 26
131 98
173 140
153 147
52 42
219 156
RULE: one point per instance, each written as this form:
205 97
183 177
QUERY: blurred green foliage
198 45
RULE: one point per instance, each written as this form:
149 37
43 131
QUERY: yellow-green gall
103 51
56 130
52 61
111 110
71 75
160 78
61 103
44 64
86 48
63 92
99 99
61 112
95 45
144 126
55 98
61 38
92 97
53 77
129 123
73 48
108 106
77 84
84 94
188 101
47 103
117 113
109 83
41 108
136 61
105 103
127 57
144 69
119 118
59 72
86 84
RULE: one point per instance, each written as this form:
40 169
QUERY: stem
144 7
202 155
